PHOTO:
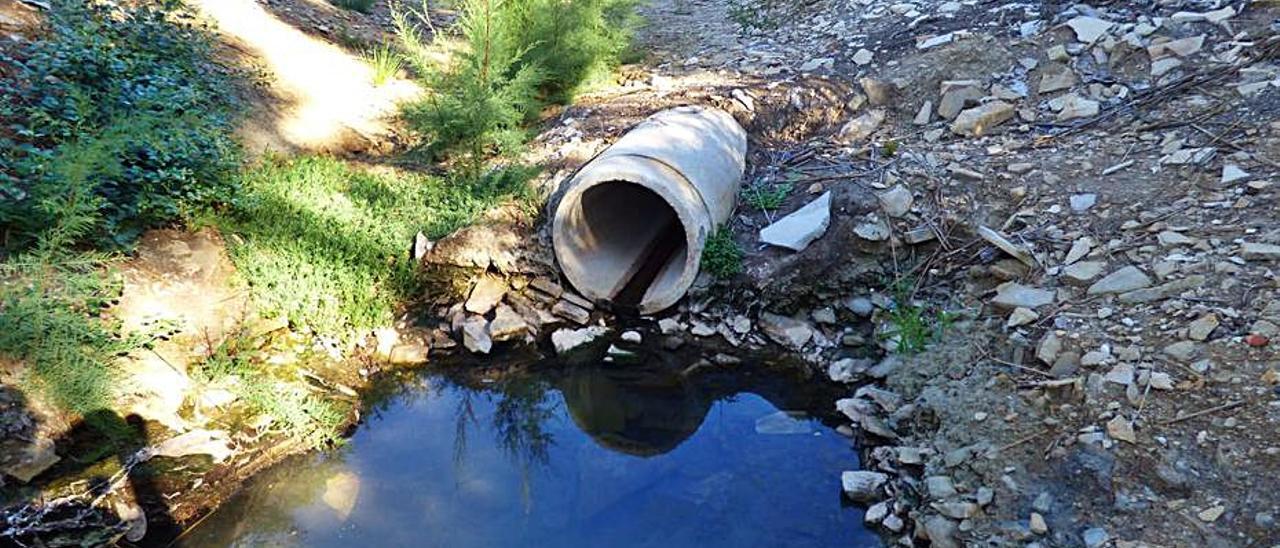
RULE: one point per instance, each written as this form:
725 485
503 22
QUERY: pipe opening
631 241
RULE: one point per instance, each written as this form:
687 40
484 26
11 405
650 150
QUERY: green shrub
514 56
51 298
362 6
574 43
480 93
722 257
326 244
102 66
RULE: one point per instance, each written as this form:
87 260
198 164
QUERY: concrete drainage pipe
632 223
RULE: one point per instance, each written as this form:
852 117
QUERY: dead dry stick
1203 412
1018 442
1020 367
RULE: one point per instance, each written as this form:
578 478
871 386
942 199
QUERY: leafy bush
103 66
326 243
722 257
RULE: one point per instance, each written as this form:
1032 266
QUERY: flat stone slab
799 229
1012 295
1124 280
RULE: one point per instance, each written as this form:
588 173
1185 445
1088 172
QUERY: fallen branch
1203 412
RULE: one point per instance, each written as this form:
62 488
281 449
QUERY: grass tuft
385 62
722 257
913 327
767 197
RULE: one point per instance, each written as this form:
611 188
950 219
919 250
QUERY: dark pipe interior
636 227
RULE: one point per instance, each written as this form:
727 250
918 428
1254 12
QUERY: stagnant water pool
595 455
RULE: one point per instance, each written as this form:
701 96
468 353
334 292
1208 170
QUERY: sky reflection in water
598 456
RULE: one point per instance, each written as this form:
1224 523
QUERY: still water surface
616 456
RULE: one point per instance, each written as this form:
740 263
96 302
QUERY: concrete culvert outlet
632 223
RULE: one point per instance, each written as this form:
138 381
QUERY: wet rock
847 370
957 510
1011 295
786 331
215 443
1126 279
507 325
567 340
863 485
475 335
1095 537
941 532
633 337
487 293
978 121
799 229
893 523
35 459
572 312
876 513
